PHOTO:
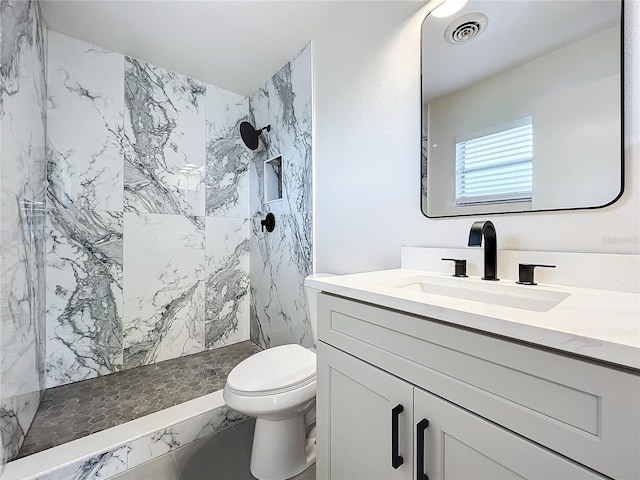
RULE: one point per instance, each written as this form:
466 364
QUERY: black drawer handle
396 460
420 429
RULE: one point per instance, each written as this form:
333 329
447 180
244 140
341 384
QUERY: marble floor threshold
76 410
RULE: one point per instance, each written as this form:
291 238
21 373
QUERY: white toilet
278 387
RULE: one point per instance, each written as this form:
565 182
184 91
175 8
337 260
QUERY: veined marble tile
22 308
16 414
227 281
85 121
227 176
84 294
284 102
104 465
22 194
23 104
280 261
164 441
424 150
164 272
164 147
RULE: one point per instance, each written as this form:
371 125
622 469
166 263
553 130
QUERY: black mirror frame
423 164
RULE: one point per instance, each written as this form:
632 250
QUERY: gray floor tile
161 468
222 457
245 430
308 474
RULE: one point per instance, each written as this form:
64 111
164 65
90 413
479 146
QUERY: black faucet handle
460 266
525 272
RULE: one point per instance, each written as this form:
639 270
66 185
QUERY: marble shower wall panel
280 261
164 146
227 281
84 125
22 328
84 294
227 168
23 90
22 195
164 287
129 146
284 102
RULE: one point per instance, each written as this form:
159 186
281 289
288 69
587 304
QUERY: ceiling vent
465 28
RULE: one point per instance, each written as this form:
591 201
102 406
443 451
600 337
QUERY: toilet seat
273 371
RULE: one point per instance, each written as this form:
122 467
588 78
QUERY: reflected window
495 165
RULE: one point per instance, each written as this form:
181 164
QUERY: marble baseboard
103 465
113 451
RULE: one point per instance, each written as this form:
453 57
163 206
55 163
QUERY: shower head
250 136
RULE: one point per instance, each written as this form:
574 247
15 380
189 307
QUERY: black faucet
488 231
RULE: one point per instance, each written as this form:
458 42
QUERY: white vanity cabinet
361 415
495 409
435 439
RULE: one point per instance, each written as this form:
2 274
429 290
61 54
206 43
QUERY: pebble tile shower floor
79 409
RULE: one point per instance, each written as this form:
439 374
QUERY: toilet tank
312 302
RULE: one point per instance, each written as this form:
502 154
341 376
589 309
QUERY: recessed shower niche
273 179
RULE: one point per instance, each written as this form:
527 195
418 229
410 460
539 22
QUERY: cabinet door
358 409
460 445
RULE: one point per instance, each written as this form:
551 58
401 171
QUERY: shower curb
115 450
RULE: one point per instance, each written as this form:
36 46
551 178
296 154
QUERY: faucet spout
488 231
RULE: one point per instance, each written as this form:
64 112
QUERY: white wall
367 154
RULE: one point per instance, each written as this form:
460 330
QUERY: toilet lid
274 370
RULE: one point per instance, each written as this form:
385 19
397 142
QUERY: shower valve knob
269 222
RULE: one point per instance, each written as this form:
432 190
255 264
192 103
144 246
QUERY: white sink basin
532 298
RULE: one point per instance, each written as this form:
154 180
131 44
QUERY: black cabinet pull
420 429
396 460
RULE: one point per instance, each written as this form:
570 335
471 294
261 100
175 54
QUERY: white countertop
598 324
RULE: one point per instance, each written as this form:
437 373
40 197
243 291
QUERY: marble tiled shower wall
151 211
147 214
282 259
22 196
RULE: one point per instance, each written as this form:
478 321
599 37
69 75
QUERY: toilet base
282 448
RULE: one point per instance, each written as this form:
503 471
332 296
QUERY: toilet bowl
277 386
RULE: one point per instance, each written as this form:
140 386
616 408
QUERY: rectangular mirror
522 107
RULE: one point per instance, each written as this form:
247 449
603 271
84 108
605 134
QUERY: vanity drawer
583 410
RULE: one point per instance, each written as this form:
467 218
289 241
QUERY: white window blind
495 165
